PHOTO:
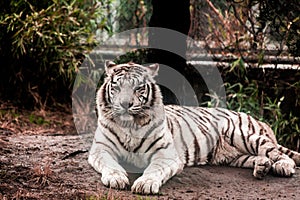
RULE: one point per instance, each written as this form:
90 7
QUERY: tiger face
128 93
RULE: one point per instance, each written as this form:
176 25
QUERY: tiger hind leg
292 154
260 164
266 148
283 165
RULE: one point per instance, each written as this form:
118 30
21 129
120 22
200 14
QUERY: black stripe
251 127
156 150
257 145
187 155
202 130
174 119
223 111
242 133
205 110
112 80
108 93
245 160
252 148
148 89
225 132
180 113
210 156
227 116
200 124
153 143
232 133
269 150
107 146
153 91
196 116
170 125
113 133
196 152
263 142
251 124
151 129
103 94
215 128
261 131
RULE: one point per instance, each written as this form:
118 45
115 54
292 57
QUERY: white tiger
134 126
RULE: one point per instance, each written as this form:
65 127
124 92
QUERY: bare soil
49 161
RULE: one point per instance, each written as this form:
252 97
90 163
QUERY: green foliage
243 98
248 24
284 22
13 113
136 56
34 119
238 68
133 14
42 44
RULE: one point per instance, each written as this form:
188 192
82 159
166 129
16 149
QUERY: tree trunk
174 15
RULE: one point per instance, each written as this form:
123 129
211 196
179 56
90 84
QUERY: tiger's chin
132 121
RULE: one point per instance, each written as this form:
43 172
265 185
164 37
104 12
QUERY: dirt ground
45 162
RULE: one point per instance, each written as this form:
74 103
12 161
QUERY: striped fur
134 127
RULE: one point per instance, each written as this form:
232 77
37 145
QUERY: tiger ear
109 66
153 69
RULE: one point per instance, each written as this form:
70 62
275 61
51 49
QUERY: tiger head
129 95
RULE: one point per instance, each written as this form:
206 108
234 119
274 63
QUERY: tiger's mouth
126 117
132 120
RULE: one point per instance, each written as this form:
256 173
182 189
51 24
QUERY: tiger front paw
115 179
284 167
261 167
146 185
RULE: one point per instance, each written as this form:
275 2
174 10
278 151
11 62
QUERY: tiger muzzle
126 105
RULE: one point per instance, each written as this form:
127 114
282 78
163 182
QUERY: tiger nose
126 104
